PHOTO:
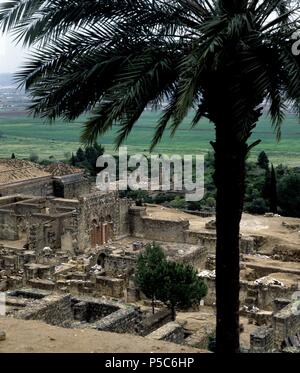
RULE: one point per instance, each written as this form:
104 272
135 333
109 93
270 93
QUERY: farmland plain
23 135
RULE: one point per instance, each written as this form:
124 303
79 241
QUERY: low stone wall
82 312
29 293
197 258
110 286
143 226
54 310
171 332
89 310
262 340
165 230
267 295
264 295
286 323
260 318
210 298
205 239
286 253
75 287
125 320
153 322
115 264
39 186
42 284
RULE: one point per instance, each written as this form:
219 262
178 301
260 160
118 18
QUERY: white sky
11 56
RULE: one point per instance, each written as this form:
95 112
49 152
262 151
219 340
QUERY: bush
256 206
178 203
212 343
289 195
181 287
263 161
33 157
161 198
149 270
87 158
193 206
175 284
210 202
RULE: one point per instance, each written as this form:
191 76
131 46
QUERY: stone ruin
68 254
85 312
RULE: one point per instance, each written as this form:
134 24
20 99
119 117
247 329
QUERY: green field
23 135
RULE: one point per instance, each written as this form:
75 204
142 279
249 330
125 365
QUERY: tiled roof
15 170
62 169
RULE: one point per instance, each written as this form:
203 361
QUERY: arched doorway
98 234
101 232
101 260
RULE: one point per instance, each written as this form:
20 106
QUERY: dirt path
34 336
269 227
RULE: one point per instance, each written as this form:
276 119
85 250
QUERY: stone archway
101 260
101 231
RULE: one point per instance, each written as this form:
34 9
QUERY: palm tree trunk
230 155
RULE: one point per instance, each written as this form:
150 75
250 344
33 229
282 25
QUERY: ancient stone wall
99 219
91 310
29 293
197 258
153 322
125 320
264 295
267 295
159 230
286 323
123 206
286 253
110 286
71 186
53 309
171 332
116 264
34 187
262 340
8 226
143 226
208 240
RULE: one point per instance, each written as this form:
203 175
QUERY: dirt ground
203 324
269 227
37 337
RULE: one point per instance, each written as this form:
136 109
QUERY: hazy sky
11 56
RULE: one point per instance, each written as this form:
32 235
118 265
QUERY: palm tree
222 58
